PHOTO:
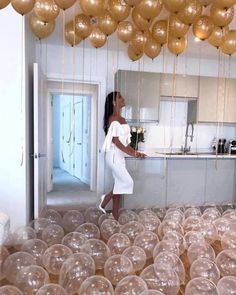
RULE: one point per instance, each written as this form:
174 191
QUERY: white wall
56 131
15 105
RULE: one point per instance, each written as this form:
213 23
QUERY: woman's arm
127 149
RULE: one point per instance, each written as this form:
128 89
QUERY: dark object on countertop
221 147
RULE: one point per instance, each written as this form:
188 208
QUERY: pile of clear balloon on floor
175 250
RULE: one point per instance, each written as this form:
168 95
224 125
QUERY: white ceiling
194 49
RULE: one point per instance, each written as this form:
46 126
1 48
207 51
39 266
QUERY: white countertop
202 154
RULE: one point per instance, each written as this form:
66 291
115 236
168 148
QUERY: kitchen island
163 179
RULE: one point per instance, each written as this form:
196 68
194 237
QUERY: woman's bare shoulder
115 119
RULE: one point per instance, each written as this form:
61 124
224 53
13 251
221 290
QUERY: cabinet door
185 86
141 92
230 101
207 102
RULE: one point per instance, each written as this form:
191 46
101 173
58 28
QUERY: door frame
74 88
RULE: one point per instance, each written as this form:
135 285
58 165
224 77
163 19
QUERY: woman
116 145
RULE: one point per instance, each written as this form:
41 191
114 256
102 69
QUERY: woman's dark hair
111 97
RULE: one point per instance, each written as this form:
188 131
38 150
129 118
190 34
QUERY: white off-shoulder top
122 131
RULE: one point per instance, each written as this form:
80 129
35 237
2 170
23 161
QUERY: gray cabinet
141 91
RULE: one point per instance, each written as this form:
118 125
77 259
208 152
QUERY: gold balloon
159 31
4 3
177 45
141 23
23 6
133 53
133 3
191 12
138 41
174 5
119 9
206 2
221 17
217 36
107 24
125 31
225 3
177 28
40 28
229 44
152 49
83 26
149 9
70 34
92 7
46 10
97 38
203 27
64 4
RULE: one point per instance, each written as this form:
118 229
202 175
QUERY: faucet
186 149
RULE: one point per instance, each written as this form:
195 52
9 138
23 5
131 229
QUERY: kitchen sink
188 154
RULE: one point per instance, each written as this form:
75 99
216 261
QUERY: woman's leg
107 199
116 206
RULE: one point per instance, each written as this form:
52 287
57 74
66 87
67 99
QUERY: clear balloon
53 234
41 30
23 6
73 40
137 256
149 9
211 214
177 46
52 214
217 36
127 215
75 270
97 38
117 267
108 26
209 232
221 17
192 211
159 31
96 285
229 47
125 31
72 218
10 290
203 28
133 53
47 11
4 3
177 28
132 229
74 241
14 263
164 280
194 237
174 5
119 9
89 230
31 278
131 285
178 239
152 49
98 250
191 12
203 250
3 255
36 248
141 23
205 268
169 260
65 4
160 212
151 292
192 223
104 217
227 285
22 234
108 228
147 217
83 29
54 257
146 240
226 262
228 240
165 245
52 289
39 225
118 243
169 225
92 214
200 286
92 7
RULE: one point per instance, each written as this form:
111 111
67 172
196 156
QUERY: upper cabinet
217 100
141 91
179 85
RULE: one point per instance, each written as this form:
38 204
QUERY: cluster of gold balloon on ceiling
137 22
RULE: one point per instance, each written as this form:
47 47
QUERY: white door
78 139
40 141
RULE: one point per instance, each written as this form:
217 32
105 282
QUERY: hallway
69 193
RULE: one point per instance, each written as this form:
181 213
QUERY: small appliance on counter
221 146
232 147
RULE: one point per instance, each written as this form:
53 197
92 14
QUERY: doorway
72 145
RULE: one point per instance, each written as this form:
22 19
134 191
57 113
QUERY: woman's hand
140 155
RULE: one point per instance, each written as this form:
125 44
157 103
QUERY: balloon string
173 103
62 85
21 96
